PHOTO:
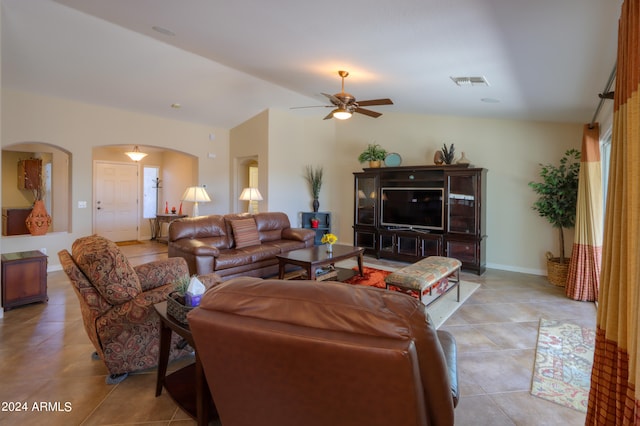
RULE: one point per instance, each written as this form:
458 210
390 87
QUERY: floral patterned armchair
116 300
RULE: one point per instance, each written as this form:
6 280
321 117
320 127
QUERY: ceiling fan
345 104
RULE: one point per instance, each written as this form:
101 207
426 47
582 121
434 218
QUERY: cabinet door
387 243
366 196
365 239
407 245
431 245
462 203
465 251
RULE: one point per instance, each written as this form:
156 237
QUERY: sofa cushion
245 233
271 225
107 268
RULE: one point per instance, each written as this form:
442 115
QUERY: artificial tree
558 193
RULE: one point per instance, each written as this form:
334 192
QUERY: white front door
115 207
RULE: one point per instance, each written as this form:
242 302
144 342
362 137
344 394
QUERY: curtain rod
606 94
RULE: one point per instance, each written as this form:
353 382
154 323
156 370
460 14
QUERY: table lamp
250 195
196 194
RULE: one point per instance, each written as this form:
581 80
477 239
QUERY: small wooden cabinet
14 221
30 173
24 278
324 227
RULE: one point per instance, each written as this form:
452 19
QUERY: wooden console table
24 278
164 218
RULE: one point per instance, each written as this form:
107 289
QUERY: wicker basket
177 310
557 271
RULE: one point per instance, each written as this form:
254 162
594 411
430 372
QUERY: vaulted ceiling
224 61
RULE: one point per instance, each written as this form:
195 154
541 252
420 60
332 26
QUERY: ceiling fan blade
368 112
329 116
333 99
313 106
372 102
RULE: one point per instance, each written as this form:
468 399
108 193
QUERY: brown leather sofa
235 244
282 353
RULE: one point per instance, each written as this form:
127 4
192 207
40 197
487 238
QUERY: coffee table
312 258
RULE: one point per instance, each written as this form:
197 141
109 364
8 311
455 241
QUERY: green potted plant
176 304
558 193
314 179
374 154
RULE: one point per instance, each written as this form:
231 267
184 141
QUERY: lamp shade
135 155
250 194
196 194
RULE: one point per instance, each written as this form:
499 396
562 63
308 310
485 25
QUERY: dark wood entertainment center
452 225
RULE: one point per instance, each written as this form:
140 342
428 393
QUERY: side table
24 278
194 400
164 218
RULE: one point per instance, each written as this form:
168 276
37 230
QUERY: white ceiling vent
470 81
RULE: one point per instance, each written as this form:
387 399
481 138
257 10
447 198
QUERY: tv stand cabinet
462 234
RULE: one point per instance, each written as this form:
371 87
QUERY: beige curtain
615 396
583 279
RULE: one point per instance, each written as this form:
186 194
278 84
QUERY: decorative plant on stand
557 203
314 179
374 154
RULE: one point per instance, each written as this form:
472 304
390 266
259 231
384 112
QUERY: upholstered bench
431 277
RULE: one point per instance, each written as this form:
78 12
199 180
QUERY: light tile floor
47 371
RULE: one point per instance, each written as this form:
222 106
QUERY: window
151 186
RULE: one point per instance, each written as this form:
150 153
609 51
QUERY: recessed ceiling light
470 81
163 31
490 100
176 106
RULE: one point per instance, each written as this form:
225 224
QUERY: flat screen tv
421 208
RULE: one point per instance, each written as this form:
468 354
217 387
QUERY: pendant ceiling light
136 155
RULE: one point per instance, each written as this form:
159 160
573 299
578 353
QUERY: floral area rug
564 356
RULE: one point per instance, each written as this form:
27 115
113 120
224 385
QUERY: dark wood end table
194 400
312 258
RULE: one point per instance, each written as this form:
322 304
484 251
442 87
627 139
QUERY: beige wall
78 128
250 143
509 149
284 143
294 144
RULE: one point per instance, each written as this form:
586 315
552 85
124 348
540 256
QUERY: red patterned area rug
374 278
564 357
439 311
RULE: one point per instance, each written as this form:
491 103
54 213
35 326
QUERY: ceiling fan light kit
341 114
346 103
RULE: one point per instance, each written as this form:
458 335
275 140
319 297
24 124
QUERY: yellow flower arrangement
328 239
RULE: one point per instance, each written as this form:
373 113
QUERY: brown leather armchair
284 353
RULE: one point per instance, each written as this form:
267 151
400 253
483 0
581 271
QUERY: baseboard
541 272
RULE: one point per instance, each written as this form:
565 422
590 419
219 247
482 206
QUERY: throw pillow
245 232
